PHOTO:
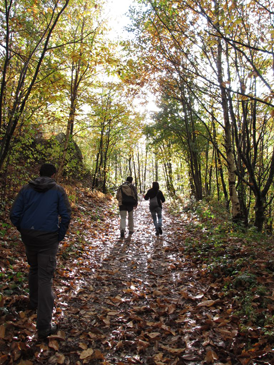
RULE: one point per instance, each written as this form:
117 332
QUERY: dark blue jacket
37 208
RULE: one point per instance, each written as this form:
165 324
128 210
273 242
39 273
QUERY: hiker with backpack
156 198
128 200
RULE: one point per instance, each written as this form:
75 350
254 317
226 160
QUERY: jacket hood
42 184
127 188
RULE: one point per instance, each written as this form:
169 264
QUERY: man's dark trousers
42 261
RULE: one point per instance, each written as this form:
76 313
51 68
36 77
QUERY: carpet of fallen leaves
141 300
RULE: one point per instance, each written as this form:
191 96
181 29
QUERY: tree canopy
206 65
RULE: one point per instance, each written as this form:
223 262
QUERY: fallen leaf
83 346
154 334
60 335
53 344
2 331
207 303
211 356
86 353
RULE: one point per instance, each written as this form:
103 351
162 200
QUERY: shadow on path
145 302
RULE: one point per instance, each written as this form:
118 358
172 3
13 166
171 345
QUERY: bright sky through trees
117 10
117 14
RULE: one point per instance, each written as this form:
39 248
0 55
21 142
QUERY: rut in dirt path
143 304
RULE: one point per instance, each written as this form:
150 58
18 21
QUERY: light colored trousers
123 220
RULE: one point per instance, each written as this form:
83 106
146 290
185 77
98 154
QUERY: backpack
153 202
128 199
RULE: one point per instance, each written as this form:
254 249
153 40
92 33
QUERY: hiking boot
160 230
157 232
122 233
130 232
47 332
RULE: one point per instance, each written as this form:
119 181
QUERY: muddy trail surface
137 300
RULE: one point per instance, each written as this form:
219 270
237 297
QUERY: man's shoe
130 232
160 230
122 234
47 332
157 232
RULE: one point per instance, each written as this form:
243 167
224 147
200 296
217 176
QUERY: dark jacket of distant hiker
36 210
152 194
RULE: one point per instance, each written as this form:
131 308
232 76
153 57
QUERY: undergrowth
240 259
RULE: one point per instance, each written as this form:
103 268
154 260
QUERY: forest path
144 303
138 300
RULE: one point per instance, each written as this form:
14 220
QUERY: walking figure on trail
127 199
35 213
156 198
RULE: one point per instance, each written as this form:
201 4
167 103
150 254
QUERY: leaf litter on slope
141 300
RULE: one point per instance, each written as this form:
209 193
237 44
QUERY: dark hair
155 186
47 169
129 179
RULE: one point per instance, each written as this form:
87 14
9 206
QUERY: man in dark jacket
35 213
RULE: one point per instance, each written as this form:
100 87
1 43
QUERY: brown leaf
106 321
98 355
53 344
158 357
154 335
168 329
113 313
16 350
2 331
142 345
60 335
83 346
207 303
173 350
211 356
226 334
58 358
171 308
86 353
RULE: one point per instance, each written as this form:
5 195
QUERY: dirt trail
140 300
144 303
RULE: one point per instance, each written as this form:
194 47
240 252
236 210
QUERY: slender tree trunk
94 180
145 173
156 170
68 137
236 208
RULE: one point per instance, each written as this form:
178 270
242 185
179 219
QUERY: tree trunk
259 213
236 209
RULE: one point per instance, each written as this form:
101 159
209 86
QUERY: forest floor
145 299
